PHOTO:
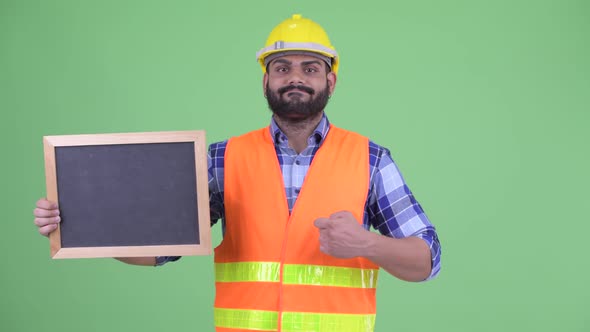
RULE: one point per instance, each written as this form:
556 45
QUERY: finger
45 230
43 203
43 213
325 242
324 249
41 222
321 223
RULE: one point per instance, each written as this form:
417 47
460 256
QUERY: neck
298 131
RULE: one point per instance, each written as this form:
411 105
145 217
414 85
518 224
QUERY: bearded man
297 200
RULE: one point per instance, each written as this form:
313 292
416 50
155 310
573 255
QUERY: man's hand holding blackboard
46 216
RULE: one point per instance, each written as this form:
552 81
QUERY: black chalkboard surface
129 194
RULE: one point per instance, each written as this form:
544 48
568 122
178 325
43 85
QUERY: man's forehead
291 57
296 59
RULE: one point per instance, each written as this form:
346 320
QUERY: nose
296 78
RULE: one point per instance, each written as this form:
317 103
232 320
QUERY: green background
484 105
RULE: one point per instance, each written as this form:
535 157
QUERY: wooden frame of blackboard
197 138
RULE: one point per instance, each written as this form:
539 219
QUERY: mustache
296 87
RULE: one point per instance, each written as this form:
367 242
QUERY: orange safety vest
270 274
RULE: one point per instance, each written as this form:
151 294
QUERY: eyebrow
311 62
287 62
304 63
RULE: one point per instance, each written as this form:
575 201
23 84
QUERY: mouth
298 93
295 89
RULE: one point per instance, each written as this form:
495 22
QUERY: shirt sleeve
215 168
394 211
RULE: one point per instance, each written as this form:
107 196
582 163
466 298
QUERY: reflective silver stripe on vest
296 274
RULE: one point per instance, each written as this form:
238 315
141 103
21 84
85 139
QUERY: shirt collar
316 138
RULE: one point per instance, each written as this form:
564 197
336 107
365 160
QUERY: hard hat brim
285 47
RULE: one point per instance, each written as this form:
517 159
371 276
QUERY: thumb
321 223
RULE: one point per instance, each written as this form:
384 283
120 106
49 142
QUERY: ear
331 77
264 83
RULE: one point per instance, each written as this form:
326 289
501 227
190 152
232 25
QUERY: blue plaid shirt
390 208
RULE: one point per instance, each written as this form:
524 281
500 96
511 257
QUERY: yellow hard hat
298 35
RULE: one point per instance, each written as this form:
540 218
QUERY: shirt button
297 190
297 162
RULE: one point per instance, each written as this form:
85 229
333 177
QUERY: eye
310 70
281 69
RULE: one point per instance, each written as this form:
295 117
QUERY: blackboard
129 194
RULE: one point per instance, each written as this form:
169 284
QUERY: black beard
296 110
